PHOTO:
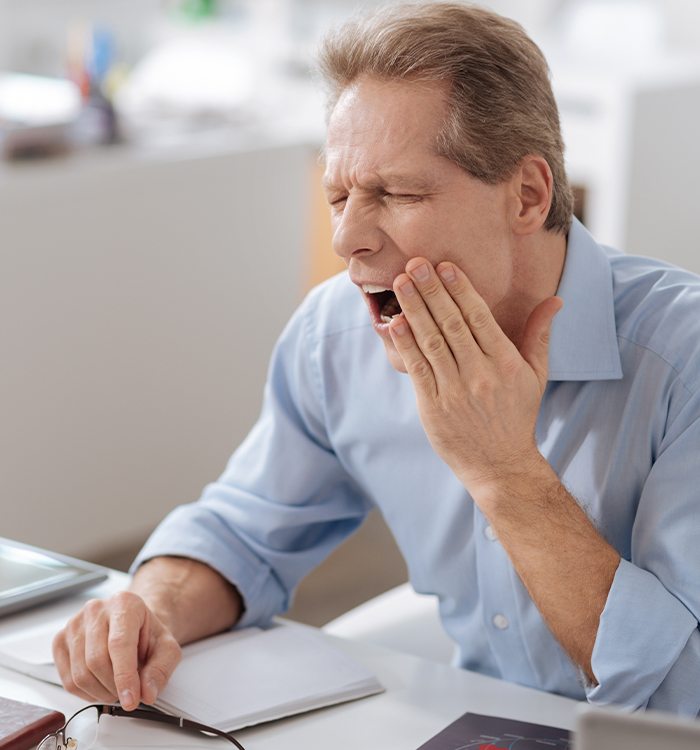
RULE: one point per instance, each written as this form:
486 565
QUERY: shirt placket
501 617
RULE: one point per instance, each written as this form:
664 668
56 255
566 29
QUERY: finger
483 326
61 659
125 623
165 656
97 657
426 333
81 676
535 345
444 311
417 366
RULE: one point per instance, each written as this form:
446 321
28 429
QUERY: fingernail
126 697
421 272
407 288
447 273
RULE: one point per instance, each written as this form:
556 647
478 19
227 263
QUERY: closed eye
402 197
337 200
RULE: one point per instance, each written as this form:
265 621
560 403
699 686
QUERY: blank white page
246 677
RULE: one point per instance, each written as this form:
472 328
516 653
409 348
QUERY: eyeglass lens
80 733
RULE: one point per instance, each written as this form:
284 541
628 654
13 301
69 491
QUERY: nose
356 230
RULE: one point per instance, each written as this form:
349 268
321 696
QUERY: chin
394 357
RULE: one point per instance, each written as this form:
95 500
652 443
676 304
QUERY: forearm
565 564
190 598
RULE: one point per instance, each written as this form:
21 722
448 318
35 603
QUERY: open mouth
383 302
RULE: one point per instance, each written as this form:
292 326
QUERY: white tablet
29 575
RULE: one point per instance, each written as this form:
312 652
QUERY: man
541 485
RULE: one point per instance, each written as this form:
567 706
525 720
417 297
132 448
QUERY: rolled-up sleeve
284 501
647 650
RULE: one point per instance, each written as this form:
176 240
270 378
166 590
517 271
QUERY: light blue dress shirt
619 422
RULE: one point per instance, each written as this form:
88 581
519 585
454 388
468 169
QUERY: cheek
488 267
413 231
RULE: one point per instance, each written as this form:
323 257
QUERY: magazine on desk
232 680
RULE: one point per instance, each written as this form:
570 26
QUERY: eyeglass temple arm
153 715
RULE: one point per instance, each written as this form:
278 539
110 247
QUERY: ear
532 186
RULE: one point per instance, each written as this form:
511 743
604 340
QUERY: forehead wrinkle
378 178
366 147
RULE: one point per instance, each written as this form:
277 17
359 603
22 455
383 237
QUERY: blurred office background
161 218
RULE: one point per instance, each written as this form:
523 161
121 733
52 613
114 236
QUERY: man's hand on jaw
478 396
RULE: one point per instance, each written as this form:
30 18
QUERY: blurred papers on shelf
36 114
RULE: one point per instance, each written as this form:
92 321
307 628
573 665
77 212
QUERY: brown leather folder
23 725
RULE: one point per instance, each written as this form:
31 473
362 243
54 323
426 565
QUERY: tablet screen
29 575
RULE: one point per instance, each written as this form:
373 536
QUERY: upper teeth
373 288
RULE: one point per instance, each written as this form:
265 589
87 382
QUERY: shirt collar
583 341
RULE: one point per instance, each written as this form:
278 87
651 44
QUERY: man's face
393 198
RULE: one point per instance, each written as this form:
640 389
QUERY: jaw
392 354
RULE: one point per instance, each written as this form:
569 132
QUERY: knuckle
125 680
73 625
482 388
431 288
434 344
127 600
171 648
58 644
454 325
457 286
93 607
75 638
510 367
478 318
118 639
421 370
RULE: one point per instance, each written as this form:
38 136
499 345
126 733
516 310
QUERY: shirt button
500 621
490 534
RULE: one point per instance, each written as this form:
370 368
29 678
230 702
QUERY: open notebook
232 680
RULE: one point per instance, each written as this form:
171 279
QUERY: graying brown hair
501 105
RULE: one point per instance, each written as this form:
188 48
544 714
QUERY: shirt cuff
643 630
187 532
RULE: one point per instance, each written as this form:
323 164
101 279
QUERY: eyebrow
394 179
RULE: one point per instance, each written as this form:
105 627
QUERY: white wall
139 303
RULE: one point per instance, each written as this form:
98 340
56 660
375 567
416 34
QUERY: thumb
535 346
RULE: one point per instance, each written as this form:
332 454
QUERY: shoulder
657 308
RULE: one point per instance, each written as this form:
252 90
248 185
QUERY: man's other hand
478 395
116 648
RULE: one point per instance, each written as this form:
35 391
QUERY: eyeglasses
80 731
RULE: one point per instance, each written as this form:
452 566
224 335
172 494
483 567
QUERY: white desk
421 698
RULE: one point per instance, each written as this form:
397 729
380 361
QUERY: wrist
507 486
188 597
